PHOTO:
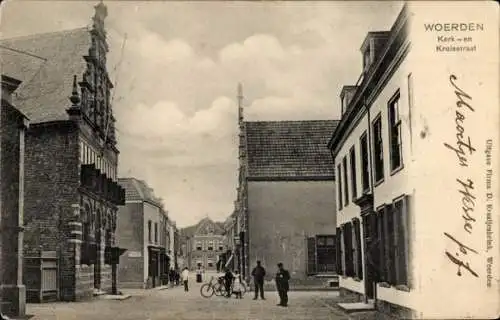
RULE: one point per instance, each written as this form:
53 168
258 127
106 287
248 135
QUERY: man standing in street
258 274
282 278
185 278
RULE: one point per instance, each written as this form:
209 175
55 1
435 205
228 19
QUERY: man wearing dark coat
228 281
258 274
282 278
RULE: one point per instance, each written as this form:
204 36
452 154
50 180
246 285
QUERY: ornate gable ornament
96 84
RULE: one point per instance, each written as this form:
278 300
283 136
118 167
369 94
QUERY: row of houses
66 217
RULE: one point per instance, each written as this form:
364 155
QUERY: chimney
9 85
346 96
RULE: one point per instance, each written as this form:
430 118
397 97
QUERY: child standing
237 285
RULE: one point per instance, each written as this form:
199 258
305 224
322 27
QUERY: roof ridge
297 121
44 34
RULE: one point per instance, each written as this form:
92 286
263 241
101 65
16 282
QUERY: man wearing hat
282 278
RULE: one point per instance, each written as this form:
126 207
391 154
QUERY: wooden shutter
311 255
359 256
382 244
349 270
338 251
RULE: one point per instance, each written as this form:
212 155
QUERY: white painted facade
429 111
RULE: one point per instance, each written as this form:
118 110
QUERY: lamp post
237 244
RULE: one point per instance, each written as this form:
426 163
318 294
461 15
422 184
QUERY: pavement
175 304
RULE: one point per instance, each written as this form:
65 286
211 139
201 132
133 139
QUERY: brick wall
51 182
282 215
129 235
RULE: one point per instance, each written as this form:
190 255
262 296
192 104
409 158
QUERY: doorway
153 266
372 255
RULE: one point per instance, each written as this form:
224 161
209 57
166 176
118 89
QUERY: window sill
379 182
357 279
384 285
403 287
396 170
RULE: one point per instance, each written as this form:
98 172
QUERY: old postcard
245 160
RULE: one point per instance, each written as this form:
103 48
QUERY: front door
153 267
371 253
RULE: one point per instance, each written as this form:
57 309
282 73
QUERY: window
378 149
221 248
352 158
156 232
366 58
199 246
149 231
339 187
325 253
82 153
346 184
365 167
395 133
210 245
210 264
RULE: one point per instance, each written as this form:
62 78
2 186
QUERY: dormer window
373 47
367 58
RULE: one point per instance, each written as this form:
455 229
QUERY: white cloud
154 47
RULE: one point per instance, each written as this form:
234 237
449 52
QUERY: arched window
86 246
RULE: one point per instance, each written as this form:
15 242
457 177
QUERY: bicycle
207 290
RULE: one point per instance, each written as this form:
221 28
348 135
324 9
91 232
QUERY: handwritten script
463 148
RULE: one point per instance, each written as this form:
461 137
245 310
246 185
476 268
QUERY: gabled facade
71 193
203 243
145 230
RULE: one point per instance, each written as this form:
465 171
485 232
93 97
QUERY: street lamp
237 243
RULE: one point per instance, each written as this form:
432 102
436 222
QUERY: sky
176 66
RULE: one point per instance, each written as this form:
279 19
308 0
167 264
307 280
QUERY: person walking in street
258 274
185 278
282 278
228 281
171 277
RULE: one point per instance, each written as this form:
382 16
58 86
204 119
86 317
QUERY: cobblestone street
175 304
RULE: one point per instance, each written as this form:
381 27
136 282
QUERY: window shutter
359 256
338 251
311 255
383 244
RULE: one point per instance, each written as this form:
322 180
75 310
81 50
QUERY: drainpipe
372 183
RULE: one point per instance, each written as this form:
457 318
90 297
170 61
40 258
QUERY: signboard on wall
134 254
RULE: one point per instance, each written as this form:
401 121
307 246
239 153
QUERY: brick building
285 210
145 230
71 192
13 125
203 244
